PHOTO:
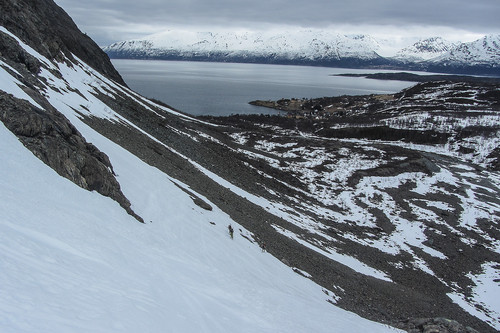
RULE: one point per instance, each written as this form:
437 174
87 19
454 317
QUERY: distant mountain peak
433 44
482 52
425 49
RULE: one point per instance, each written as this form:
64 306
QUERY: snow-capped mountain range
425 49
303 45
314 47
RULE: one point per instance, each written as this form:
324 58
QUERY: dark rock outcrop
495 159
55 141
434 325
47 133
48 29
11 50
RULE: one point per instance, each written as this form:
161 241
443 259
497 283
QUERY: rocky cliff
46 27
42 128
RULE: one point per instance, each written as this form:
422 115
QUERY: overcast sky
108 21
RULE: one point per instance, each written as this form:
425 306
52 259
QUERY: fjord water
219 89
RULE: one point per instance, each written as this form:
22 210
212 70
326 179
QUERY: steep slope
77 263
73 260
47 28
48 134
388 232
483 53
424 50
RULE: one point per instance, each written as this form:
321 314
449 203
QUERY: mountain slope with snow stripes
73 260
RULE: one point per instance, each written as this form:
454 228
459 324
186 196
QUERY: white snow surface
425 49
485 295
74 261
12 86
484 51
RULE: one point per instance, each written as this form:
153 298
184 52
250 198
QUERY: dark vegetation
377 62
404 76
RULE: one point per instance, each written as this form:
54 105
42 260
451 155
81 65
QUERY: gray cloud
112 20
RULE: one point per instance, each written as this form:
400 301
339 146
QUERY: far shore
411 77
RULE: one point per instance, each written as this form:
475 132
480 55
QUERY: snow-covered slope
424 50
482 52
74 261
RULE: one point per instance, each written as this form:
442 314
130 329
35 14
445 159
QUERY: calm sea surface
205 88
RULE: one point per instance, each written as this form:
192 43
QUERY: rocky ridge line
47 28
55 141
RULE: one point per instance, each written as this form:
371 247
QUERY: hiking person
231 231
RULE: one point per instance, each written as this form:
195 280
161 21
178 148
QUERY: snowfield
74 261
